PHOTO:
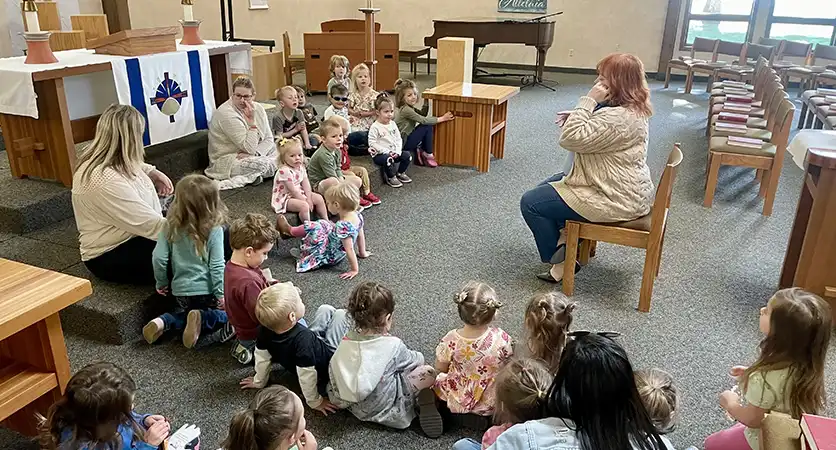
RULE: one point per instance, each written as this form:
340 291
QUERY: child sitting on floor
338 96
547 320
274 420
416 125
374 374
338 67
469 358
361 108
326 243
359 171
303 350
290 121
386 145
251 239
324 165
192 246
660 397
310 114
291 187
96 413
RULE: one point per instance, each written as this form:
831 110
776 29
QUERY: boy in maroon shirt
251 238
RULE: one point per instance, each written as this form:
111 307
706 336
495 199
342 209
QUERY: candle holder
38 50
191 32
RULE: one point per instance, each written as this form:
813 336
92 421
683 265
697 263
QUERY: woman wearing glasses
241 146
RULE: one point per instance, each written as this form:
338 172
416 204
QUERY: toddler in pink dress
291 188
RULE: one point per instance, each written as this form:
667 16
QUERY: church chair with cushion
756 116
811 99
684 63
742 70
292 63
822 109
822 56
770 107
792 49
718 88
779 45
768 159
646 232
709 68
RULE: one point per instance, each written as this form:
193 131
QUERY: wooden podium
478 130
319 47
144 41
810 262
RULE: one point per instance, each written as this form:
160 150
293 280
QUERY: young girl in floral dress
326 243
361 110
469 358
291 188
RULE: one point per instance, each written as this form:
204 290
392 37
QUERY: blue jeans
546 214
358 143
467 444
401 162
210 319
421 136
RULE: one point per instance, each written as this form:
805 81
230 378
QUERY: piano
484 31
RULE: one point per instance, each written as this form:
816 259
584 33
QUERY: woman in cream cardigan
609 181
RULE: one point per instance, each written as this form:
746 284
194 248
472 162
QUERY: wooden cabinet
319 47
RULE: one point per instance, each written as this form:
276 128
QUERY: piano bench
413 53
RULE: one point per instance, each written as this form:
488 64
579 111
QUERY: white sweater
385 139
229 135
111 208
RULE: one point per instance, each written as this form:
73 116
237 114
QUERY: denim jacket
126 432
546 434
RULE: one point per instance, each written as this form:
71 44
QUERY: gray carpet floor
453 225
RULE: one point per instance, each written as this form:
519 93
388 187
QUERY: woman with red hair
609 181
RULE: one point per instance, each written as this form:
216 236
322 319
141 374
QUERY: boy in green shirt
324 166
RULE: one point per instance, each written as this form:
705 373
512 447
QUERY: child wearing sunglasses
356 140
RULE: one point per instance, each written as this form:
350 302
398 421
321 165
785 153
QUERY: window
717 19
803 20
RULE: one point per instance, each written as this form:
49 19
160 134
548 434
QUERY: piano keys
484 31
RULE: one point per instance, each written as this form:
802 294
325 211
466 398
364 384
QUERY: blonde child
361 108
325 243
290 121
469 358
192 246
305 349
358 171
416 125
291 187
96 412
274 420
374 374
324 165
787 377
547 321
522 389
386 145
660 397
338 67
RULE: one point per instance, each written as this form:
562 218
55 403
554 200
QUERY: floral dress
281 194
360 102
322 245
468 386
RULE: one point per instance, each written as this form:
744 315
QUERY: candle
188 15
368 3
32 23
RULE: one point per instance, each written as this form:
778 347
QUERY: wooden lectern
810 262
144 41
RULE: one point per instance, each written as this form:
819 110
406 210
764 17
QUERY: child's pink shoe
429 159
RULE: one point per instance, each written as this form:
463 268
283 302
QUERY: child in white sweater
386 144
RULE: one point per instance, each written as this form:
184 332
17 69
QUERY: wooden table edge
73 294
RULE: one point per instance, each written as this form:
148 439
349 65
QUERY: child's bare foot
283 226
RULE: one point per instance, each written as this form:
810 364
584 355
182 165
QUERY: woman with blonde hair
116 200
607 134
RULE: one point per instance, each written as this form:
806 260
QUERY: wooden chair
646 232
792 49
741 70
292 63
723 48
346 25
768 159
684 63
762 92
808 73
811 100
775 95
779 45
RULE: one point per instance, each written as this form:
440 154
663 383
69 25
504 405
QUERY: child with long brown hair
292 190
274 420
787 377
547 321
416 125
374 374
468 358
386 145
96 412
192 245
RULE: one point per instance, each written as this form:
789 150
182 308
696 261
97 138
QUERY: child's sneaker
394 182
428 415
373 199
242 354
191 333
404 178
364 204
153 330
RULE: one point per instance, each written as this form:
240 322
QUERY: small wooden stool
413 53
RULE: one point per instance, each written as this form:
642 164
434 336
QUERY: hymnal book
819 433
736 91
733 83
830 99
728 127
825 91
740 141
733 98
739 107
833 106
733 117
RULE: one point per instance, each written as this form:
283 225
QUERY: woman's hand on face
599 93
161 182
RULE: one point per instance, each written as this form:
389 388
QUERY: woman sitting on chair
609 181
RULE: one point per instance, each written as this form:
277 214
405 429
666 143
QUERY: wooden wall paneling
93 25
319 47
118 15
